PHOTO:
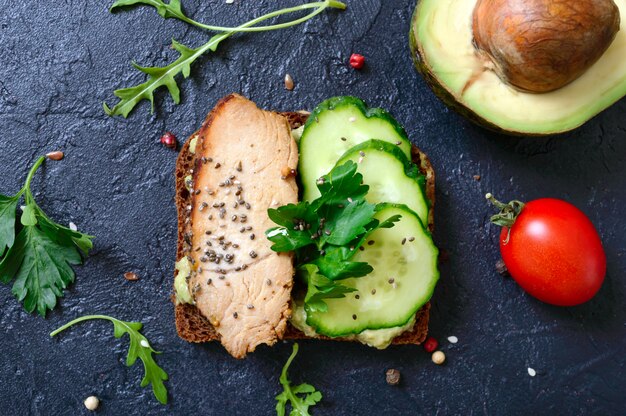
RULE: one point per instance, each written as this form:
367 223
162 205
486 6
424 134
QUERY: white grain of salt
532 372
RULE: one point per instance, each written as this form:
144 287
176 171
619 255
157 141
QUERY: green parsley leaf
165 76
139 348
320 287
335 264
41 269
39 259
327 232
8 205
301 397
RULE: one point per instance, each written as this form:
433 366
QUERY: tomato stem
507 215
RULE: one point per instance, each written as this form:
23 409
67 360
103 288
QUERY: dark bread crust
192 326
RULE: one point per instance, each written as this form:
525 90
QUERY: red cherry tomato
554 253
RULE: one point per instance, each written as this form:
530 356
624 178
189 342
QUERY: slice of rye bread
192 326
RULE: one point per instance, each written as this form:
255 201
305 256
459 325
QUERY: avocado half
443 51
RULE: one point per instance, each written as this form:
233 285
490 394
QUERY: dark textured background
61 60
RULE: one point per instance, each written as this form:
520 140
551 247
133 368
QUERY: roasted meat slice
239 284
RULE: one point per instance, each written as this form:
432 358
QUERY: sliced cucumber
404 259
335 126
401 183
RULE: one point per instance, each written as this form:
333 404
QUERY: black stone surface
62 59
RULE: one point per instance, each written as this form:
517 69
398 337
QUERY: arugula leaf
139 348
39 258
173 9
301 397
8 205
327 232
165 76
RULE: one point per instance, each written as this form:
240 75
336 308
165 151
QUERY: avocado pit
540 46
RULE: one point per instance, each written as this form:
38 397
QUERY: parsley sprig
40 257
139 348
326 233
301 397
165 76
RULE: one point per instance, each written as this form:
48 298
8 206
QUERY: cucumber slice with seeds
404 259
401 183
335 126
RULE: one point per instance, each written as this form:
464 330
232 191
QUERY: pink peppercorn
357 61
430 344
169 140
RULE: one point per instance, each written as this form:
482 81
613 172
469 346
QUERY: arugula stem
320 6
293 399
212 45
86 318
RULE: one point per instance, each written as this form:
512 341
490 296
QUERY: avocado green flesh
401 183
181 285
402 281
442 35
334 127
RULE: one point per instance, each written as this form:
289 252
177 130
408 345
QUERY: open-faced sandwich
294 225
